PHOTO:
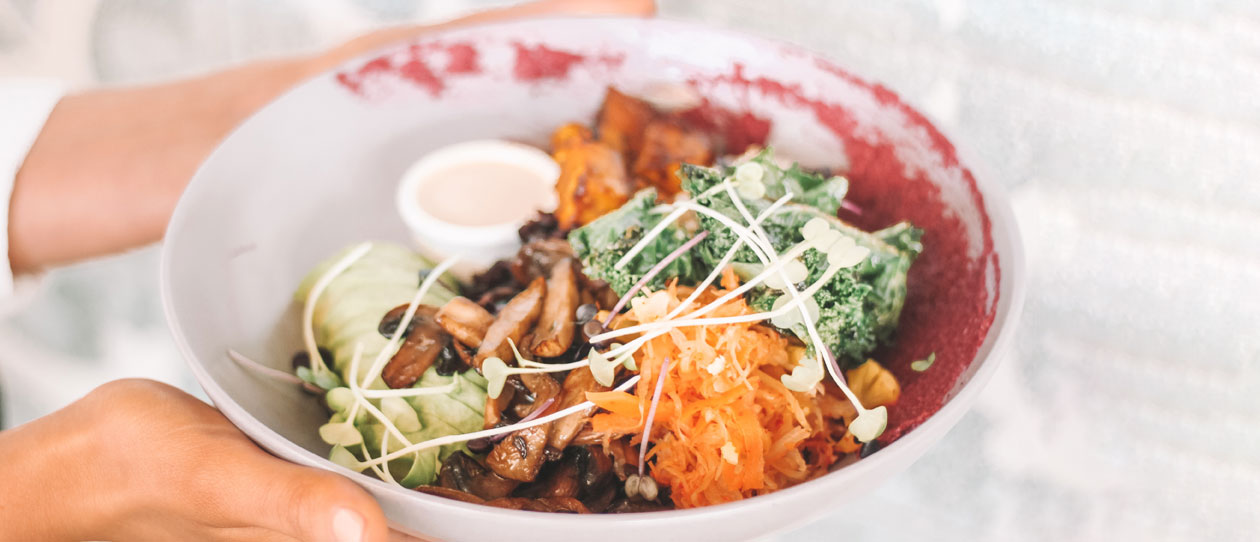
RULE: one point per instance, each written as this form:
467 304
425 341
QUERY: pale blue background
1126 131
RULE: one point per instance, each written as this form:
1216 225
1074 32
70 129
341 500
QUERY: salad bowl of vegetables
766 285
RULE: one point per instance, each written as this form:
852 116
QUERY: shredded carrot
726 427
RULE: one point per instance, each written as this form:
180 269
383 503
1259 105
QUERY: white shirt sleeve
24 107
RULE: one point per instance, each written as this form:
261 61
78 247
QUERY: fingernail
347 526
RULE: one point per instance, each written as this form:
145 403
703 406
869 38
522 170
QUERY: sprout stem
388 351
455 439
312 297
651 415
656 269
264 370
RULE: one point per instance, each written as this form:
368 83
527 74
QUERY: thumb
319 506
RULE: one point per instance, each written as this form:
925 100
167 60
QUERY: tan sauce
482 193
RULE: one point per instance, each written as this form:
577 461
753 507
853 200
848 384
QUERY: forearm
107 169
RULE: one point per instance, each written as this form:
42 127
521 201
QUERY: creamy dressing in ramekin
469 199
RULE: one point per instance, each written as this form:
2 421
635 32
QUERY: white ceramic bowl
317 170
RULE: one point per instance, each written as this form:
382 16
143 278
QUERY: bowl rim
997 344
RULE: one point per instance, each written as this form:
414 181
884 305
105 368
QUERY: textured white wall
1126 131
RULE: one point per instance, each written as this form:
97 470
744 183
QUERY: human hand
140 460
106 171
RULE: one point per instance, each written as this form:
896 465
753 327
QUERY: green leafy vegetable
858 308
604 241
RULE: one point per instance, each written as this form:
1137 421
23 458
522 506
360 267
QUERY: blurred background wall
1127 133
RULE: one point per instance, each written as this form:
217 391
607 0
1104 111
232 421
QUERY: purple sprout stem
536 413
850 206
656 270
647 426
264 370
831 360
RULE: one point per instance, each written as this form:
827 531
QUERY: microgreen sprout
341 456
496 373
321 375
651 415
649 237
804 377
264 370
340 433
626 361
728 257
923 364
641 486
869 424
749 172
385 421
603 369
340 399
748 177
413 392
538 411
496 370
655 270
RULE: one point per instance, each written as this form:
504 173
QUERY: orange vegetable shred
726 427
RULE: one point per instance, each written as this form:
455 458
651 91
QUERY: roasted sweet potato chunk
621 122
666 145
570 135
593 181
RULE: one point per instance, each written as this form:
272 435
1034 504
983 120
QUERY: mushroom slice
465 320
567 505
513 321
573 392
520 455
496 405
449 493
536 258
462 473
541 386
554 333
424 343
559 479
